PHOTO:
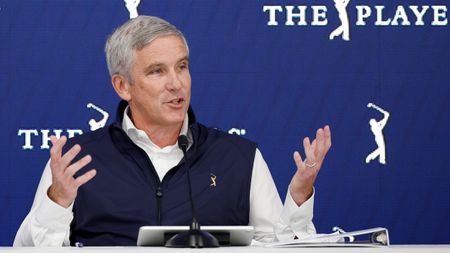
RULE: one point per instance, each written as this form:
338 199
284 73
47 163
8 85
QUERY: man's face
161 88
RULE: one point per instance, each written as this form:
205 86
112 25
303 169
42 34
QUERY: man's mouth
176 101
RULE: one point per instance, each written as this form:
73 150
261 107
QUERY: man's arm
301 186
295 218
272 220
47 223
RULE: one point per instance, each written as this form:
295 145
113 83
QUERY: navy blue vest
126 193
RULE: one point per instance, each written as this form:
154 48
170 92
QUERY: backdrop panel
266 70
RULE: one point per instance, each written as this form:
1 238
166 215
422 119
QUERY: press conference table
255 249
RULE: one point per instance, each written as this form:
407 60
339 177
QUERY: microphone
183 143
194 237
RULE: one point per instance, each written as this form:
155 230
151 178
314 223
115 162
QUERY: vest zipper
159 192
159 195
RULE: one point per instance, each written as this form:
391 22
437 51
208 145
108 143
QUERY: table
253 249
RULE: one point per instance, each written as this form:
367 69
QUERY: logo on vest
377 129
213 180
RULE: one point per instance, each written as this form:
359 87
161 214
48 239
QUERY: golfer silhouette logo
213 180
94 125
377 130
132 7
344 28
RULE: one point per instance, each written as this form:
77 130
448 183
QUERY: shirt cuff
298 217
51 215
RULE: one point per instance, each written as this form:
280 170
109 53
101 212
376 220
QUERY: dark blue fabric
275 84
122 197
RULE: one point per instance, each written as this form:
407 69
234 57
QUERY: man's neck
162 136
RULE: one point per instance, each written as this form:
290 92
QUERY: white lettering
46 137
400 13
380 20
404 15
237 131
290 15
27 133
272 13
319 15
72 132
419 14
363 13
440 11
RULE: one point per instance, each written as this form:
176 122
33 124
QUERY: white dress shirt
48 224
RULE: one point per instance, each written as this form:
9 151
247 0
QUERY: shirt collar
133 132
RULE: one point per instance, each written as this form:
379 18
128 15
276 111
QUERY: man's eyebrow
186 58
152 65
159 64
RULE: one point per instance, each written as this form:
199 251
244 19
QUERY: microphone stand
194 237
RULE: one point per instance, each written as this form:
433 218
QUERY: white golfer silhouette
132 7
377 130
344 28
94 125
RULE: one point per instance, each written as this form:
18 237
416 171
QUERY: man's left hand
301 187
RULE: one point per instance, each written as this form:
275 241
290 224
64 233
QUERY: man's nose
174 81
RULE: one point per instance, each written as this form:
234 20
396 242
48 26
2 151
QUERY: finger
308 149
72 169
85 178
306 144
55 154
57 145
314 147
53 139
67 158
327 131
314 151
320 143
298 160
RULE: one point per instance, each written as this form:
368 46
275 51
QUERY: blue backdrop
274 84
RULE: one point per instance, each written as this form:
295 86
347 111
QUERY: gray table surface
392 248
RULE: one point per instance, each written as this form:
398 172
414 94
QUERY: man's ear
121 86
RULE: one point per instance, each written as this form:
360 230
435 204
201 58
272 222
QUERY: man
139 176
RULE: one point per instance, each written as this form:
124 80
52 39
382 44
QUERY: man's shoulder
227 138
89 138
226 147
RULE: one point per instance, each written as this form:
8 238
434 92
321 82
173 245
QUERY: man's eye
183 66
155 71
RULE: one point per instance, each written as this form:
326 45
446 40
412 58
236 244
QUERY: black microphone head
183 142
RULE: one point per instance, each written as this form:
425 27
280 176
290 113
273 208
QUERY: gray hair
132 36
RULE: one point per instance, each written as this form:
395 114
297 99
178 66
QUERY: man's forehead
162 43
170 47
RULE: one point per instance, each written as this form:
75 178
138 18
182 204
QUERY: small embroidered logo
213 180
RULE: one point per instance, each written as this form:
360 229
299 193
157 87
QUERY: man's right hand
64 186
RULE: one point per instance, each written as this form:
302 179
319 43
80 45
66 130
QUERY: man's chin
176 119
